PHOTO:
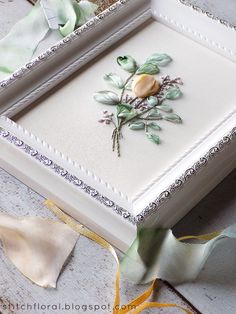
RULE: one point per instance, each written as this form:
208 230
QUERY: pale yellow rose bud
145 85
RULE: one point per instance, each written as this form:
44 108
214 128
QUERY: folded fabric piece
19 46
37 247
156 253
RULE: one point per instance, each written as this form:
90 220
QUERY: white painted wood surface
88 277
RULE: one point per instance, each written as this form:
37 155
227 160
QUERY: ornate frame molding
83 29
58 165
208 14
153 207
189 173
62 44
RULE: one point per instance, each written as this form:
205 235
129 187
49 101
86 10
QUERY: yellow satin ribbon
135 306
204 237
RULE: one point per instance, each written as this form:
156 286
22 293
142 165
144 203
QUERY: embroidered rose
145 85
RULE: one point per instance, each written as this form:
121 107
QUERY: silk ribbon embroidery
141 100
19 46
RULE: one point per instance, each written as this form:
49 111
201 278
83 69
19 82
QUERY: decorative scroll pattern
89 25
62 172
103 4
188 174
153 207
63 43
208 14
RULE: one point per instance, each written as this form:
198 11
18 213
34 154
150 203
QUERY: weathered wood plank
88 278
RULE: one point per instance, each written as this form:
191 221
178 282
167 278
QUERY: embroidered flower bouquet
143 100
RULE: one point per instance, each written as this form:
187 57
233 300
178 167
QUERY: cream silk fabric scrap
37 247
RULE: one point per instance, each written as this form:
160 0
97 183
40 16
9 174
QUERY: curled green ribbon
157 253
19 46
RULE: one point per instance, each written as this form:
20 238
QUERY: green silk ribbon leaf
153 138
156 253
173 93
137 126
148 68
172 117
154 114
125 111
114 80
152 101
154 126
161 59
127 63
106 97
165 108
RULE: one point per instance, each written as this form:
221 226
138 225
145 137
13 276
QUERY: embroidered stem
118 142
114 140
140 114
133 100
126 82
146 101
116 135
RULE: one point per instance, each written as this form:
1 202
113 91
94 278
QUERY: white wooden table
88 278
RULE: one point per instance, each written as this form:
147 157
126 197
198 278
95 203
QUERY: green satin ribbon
19 46
157 253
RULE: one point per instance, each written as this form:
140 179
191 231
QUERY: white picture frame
78 191
40 75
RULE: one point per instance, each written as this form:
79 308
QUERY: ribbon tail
156 253
18 47
135 306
